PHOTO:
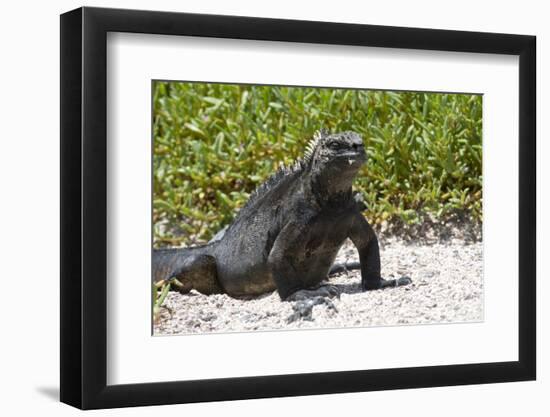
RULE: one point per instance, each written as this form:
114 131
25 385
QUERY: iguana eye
334 145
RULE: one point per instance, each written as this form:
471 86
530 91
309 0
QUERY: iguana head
335 159
343 149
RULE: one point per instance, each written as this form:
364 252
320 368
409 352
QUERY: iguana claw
383 283
303 308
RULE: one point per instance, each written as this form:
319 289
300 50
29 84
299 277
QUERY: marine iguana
287 235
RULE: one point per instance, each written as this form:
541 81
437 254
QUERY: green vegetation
160 291
214 143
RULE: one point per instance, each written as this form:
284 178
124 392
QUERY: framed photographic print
258 207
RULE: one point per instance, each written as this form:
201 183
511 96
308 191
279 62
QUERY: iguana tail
187 269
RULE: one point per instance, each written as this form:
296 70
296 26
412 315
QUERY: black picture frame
84 207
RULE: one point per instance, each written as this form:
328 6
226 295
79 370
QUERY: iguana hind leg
187 269
198 274
343 267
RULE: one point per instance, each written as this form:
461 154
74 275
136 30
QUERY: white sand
447 287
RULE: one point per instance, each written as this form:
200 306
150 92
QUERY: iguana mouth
353 156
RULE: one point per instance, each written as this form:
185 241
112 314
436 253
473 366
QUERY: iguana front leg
283 263
364 238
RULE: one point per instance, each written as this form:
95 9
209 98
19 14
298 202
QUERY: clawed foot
303 308
305 300
383 283
328 290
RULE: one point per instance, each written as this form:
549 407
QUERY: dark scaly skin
289 233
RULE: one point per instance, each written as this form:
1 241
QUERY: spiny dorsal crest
287 170
313 143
